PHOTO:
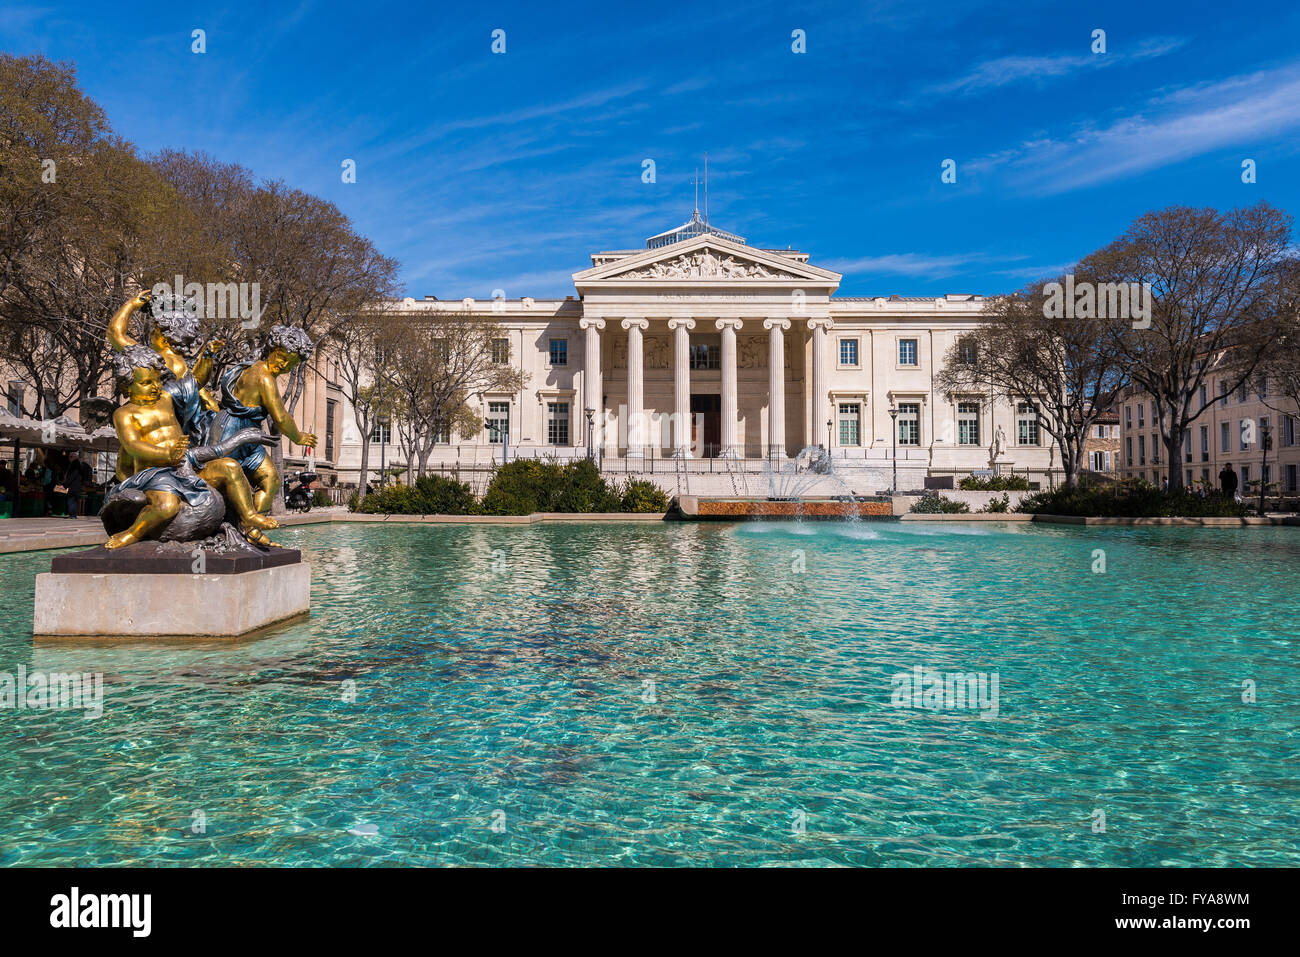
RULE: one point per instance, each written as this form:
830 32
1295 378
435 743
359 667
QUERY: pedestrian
1228 481
73 477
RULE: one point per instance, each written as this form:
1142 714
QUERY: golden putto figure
169 490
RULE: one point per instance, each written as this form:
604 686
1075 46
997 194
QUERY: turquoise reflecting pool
691 694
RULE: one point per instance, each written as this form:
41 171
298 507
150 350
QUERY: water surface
691 694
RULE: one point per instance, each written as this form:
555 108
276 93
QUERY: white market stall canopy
59 432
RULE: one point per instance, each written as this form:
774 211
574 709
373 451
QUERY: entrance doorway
706 412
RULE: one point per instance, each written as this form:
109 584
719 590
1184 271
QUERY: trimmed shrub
1002 504
641 495
1132 499
932 503
994 483
431 495
527 485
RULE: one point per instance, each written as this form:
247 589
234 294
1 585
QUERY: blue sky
480 171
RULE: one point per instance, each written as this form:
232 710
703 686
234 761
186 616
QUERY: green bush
431 495
1135 499
319 499
994 483
1002 504
932 503
641 495
527 485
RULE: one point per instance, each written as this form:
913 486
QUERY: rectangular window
706 357
1288 430
557 423
907 352
1245 475
331 412
1241 393
559 352
1223 392
498 422
848 352
1187 446
1128 416
1242 431
909 423
1204 398
500 351
1142 450
1141 415
1225 437
15 398
1291 478
1155 448
1128 450
382 433
1205 443
850 422
968 423
441 433
1027 424
966 352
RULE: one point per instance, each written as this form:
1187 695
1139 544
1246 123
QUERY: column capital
724 323
675 324
782 324
586 323
639 323
821 322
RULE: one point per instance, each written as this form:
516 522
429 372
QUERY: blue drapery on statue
234 415
195 421
166 478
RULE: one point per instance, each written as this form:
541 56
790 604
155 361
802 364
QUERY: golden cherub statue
167 489
249 395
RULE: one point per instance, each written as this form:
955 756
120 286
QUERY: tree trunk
1174 449
364 473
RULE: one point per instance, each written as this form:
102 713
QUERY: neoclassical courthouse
704 347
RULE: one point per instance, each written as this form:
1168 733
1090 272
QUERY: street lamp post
383 445
893 427
828 437
1266 443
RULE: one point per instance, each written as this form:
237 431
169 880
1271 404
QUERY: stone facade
708 348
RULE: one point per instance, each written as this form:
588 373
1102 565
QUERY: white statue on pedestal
999 445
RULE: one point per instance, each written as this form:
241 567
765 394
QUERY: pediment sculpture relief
705 264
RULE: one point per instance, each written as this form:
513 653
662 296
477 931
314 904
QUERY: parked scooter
298 497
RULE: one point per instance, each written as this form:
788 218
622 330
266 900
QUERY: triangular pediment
705 259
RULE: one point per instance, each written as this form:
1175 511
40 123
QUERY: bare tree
438 365
1024 350
1213 281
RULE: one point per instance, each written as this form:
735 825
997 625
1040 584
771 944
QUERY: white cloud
1241 111
1002 71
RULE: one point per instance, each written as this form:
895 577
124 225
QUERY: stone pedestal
149 590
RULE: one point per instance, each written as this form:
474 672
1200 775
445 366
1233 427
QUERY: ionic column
730 448
635 387
776 385
591 377
681 385
820 383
